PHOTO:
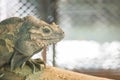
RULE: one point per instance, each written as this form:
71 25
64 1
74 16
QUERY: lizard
21 38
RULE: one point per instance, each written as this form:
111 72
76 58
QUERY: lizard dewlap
21 38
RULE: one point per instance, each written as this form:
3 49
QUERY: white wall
74 54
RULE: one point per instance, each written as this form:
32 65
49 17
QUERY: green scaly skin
21 38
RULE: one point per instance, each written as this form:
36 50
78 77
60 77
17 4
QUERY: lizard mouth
41 42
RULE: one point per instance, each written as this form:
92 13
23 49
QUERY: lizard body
21 38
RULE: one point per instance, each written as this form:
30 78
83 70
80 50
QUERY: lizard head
42 33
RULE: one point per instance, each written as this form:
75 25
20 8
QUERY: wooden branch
50 73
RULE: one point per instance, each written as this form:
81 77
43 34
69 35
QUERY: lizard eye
46 30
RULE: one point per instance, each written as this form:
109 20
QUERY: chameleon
21 38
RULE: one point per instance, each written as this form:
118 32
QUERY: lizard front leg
19 60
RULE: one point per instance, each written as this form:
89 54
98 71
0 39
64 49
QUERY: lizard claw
36 63
1 75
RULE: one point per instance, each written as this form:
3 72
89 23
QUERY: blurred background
92 42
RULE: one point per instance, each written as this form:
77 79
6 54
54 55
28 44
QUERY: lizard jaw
45 42
42 43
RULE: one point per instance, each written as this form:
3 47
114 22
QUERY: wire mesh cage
89 19
88 11
82 12
22 8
